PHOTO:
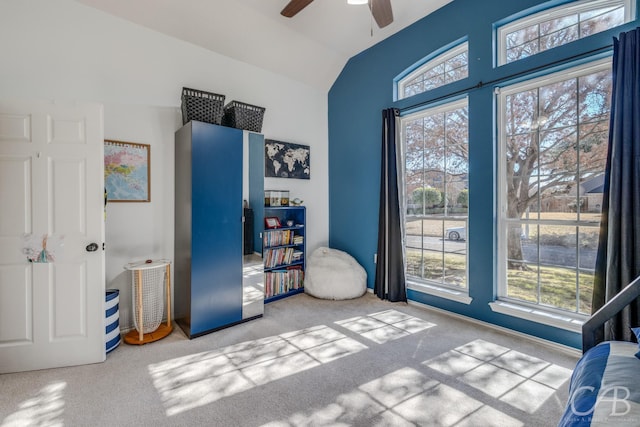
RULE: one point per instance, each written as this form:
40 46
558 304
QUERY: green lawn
557 284
451 273
557 287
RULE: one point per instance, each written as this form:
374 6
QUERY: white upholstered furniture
334 274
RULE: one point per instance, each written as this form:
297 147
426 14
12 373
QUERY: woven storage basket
202 106
243 116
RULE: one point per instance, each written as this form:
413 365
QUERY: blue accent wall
365 87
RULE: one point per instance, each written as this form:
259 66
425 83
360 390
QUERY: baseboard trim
554 345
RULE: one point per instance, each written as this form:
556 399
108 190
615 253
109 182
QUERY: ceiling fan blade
294 6
381 11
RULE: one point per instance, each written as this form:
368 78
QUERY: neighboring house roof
593 185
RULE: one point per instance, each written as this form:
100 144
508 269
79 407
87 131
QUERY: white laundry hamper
150 287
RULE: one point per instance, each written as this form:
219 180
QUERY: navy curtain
618 259
390 281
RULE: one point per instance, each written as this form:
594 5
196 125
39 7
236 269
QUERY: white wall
60 49
138 231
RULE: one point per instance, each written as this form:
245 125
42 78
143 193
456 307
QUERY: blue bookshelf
283 251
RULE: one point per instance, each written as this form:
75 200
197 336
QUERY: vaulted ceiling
312 47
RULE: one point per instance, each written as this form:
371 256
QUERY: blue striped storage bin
112 319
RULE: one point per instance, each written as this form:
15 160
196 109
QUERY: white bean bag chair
334 274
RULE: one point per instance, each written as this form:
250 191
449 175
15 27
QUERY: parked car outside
456 233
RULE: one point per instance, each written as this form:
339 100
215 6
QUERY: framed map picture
127 171
286 160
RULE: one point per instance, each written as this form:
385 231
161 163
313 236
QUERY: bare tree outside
560 30
554 147
436 173
438 72
553 152
556 139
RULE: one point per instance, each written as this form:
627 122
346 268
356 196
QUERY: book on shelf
281 256
278 282
278 237
283 252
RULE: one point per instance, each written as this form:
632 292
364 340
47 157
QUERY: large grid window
553 147
558 26
436 165
445 68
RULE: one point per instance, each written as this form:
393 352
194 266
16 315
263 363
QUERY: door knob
92 247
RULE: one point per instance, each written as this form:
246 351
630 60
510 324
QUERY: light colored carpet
308 362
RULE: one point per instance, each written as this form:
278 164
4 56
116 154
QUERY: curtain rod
503 79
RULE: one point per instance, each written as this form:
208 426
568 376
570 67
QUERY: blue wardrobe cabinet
208 258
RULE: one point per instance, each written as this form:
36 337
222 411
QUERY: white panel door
51 202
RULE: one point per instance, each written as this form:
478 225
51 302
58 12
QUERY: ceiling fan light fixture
380 9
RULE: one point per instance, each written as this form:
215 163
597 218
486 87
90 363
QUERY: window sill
440 291
549 317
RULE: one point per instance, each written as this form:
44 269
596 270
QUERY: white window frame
555 13
432 63
539 313
426 286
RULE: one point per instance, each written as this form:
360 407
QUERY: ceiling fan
380 9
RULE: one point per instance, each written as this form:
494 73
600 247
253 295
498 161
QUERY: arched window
560 25
437 69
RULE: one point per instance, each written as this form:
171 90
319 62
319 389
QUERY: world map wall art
286 160
126 171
